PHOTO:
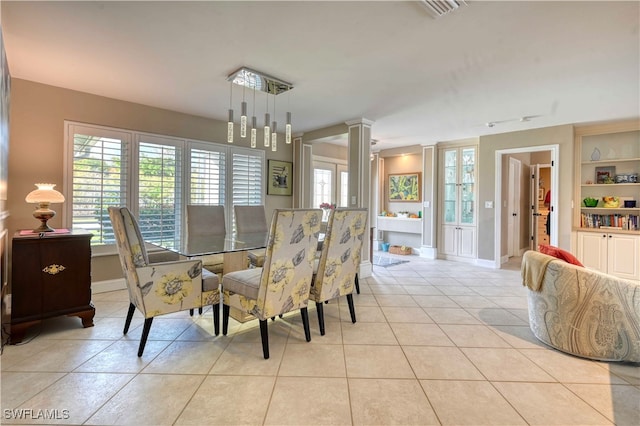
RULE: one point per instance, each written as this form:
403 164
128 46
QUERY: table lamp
43 196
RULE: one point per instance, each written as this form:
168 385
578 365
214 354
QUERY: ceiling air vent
438 8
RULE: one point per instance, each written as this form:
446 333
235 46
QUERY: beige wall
37 144
557 135
401 164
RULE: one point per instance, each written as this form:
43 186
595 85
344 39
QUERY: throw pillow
559 253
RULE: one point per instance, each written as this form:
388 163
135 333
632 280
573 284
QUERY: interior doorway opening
521 217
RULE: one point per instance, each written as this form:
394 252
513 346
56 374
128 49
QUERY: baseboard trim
504 259
108 285
428 252
487 263
366 268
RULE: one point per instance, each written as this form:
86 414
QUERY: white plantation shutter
160 191
247 176
98 179
155 177
207 176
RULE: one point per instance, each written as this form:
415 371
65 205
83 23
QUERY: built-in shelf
400 224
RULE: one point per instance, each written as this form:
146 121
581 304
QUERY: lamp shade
44 193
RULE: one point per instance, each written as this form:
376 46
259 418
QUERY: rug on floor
385 261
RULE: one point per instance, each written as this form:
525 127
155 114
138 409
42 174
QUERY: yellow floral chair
282 284
160 288
336 271
252 220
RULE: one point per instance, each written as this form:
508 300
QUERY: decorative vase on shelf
595 155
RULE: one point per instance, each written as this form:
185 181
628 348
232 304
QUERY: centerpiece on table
326 208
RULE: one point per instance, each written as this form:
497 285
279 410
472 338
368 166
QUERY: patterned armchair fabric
339 260
282 285
160 288
585 312
252 220
207 224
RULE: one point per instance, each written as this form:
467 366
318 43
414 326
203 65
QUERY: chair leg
357 284
225 319
264 333
127 322
352 309
305 322
200 310
145 334
216 318
320 311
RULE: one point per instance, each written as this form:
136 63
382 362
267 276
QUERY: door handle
514 214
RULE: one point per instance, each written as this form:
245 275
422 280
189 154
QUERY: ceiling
421 80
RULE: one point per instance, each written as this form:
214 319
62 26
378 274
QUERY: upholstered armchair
282 285
337 268
159 288
252 220
206 225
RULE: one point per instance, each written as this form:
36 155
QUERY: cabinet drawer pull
53 269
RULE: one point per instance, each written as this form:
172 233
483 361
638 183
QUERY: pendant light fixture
243 116
267 129
254 122
287 126
230 122
256 80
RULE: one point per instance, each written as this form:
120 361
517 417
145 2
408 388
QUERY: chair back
288 267
340 256
205 221
131 249
205 227
250 219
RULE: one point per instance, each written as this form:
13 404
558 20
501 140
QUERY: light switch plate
488 204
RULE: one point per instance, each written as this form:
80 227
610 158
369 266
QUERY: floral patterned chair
252 220
160 288
337 269
282 285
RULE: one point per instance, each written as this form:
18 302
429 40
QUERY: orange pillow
559 253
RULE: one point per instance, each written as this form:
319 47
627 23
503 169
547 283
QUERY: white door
535 213
513 208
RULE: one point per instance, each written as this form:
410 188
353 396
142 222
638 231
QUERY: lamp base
43 228
43 214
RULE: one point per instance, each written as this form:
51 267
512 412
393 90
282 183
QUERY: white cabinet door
592 250
467 241
624 256
615 254
449 240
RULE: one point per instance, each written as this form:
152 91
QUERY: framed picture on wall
605 174
405 187
279 178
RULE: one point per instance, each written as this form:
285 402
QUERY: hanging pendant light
274 137
267 129
243 116
287 129
230 122
254 122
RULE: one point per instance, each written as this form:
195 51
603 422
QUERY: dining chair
160 288
282 285
337 268
206 223
252 220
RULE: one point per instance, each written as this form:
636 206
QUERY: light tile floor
436 342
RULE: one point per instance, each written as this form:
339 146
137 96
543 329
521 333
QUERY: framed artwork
605 174
540 194
405 187
279 177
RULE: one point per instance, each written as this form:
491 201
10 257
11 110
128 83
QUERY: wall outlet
426 204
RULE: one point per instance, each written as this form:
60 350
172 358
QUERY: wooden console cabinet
51 276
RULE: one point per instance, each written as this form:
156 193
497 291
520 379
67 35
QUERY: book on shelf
610 221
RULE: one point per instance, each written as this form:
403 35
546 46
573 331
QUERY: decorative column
359 160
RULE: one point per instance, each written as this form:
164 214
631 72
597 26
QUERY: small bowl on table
629 204
590 202
611 202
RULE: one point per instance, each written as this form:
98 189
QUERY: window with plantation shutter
160 190
206 176
99 179
247 176
154 176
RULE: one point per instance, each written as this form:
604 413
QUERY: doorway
519 200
